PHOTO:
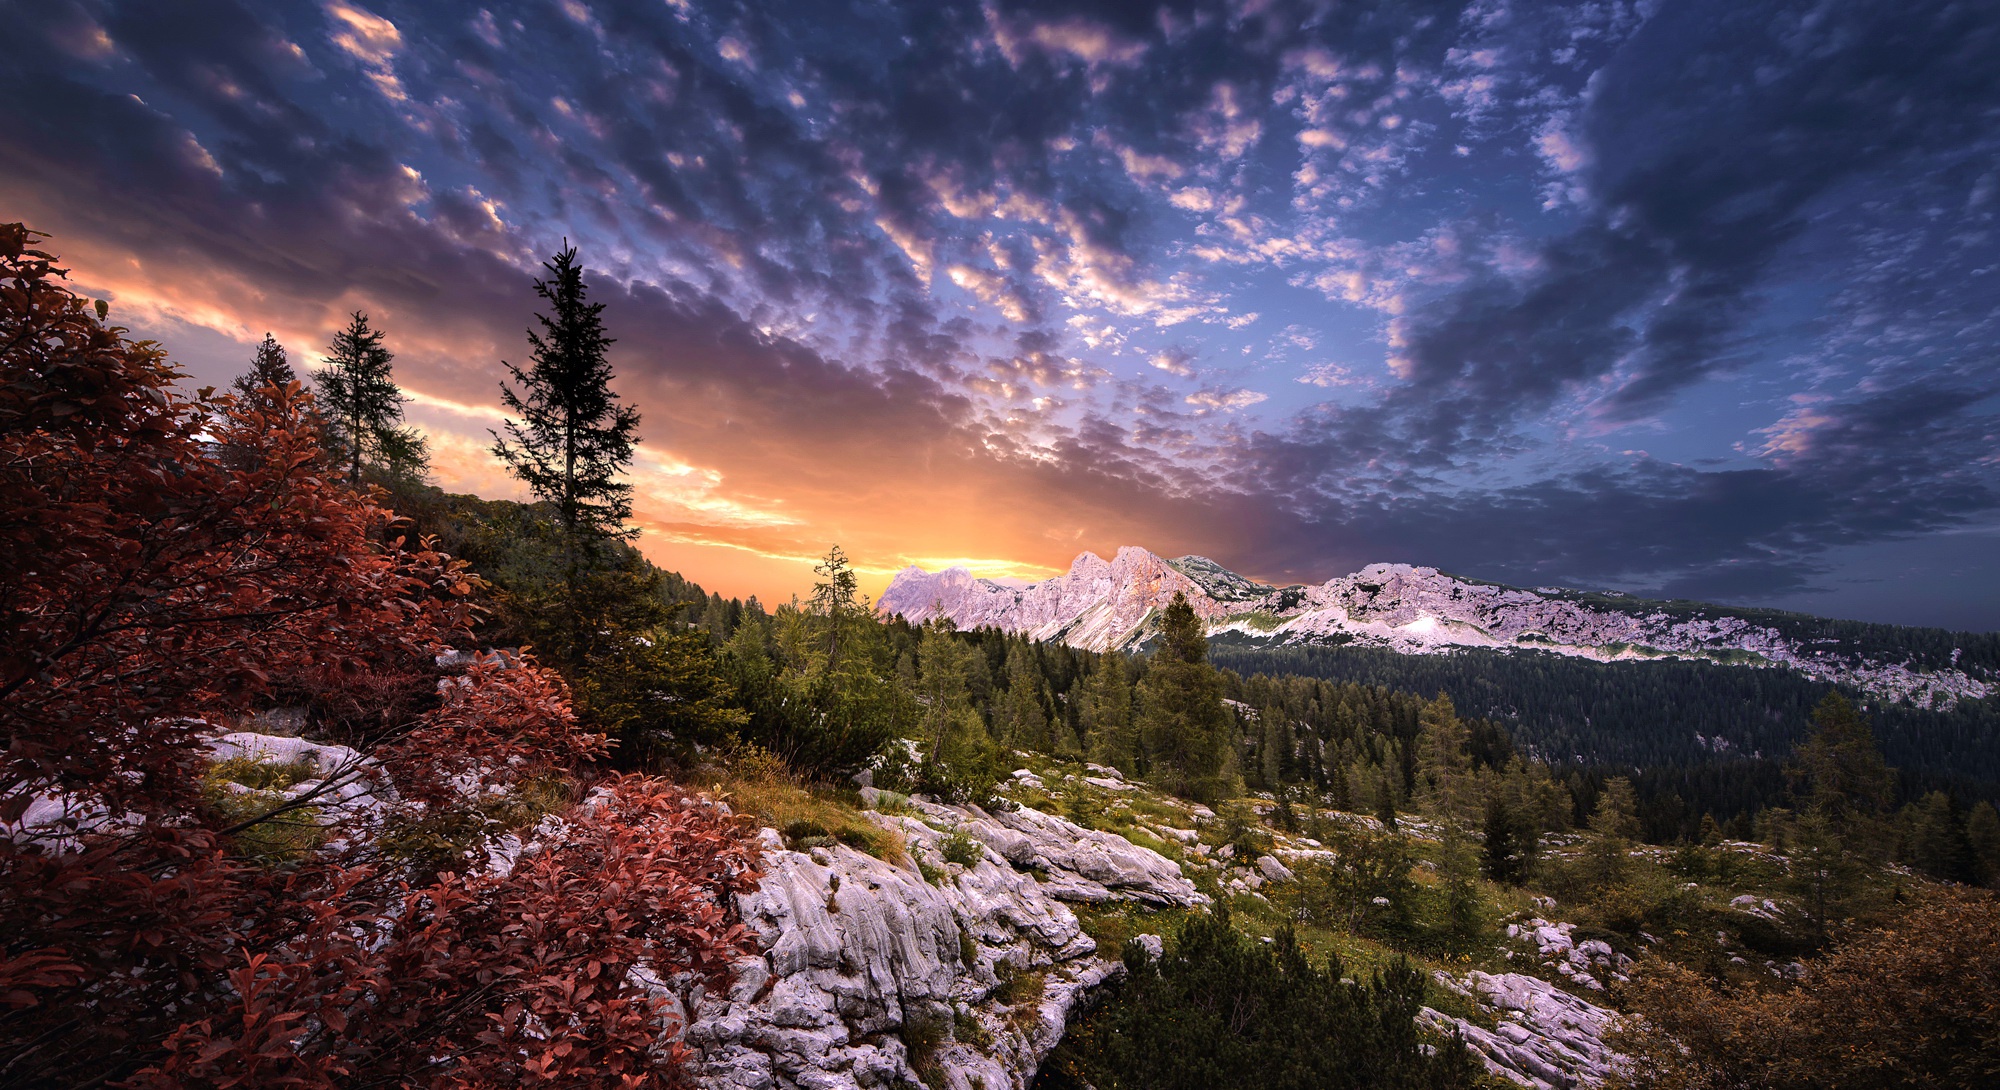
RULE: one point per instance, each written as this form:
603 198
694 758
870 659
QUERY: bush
1222 1010
958 847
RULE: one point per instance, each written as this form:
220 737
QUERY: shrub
1909 1005
1223 1010
959 847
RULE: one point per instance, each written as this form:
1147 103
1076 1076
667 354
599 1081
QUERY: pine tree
361 405
1183 724
1107 709
268 369
1982 830
573 439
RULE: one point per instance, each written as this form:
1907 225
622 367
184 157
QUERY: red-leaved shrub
151 587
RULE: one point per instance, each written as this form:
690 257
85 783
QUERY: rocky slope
862 956
1100 604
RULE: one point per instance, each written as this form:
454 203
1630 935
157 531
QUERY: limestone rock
857 950
1547 1039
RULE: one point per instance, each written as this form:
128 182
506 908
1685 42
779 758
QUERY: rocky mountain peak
1102 605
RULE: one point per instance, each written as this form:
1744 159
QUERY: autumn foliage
152 590
1913 1004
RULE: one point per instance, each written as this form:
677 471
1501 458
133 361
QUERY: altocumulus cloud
1014 279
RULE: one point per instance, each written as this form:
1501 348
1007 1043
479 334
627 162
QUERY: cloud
908 276
1225 400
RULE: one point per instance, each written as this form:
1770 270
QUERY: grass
807 816
244 789
1021 992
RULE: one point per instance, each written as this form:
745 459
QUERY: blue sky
1683 298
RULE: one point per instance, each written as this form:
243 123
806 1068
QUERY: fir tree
1183 725
361 406
573 438
268 369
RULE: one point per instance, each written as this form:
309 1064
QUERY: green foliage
573 439
1695 737
659 692
1982 831
1111 737
957 847
1939 845
1223 1010
820 685
1182 721
362 409
1365 887
247 792
1842 772
1506 848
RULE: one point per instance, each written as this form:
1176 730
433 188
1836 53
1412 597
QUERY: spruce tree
1107 707
360 404
268 368
1183 724
573 439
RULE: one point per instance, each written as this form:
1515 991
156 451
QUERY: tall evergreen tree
573 439
1841 770
360 404
1107 710
1183 724
268 368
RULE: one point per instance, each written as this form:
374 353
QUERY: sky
1678 298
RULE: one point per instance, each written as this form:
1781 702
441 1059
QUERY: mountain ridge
1104 605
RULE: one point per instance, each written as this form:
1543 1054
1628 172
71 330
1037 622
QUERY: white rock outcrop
986 962
1547 1039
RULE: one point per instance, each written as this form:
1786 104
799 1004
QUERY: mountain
1101 605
